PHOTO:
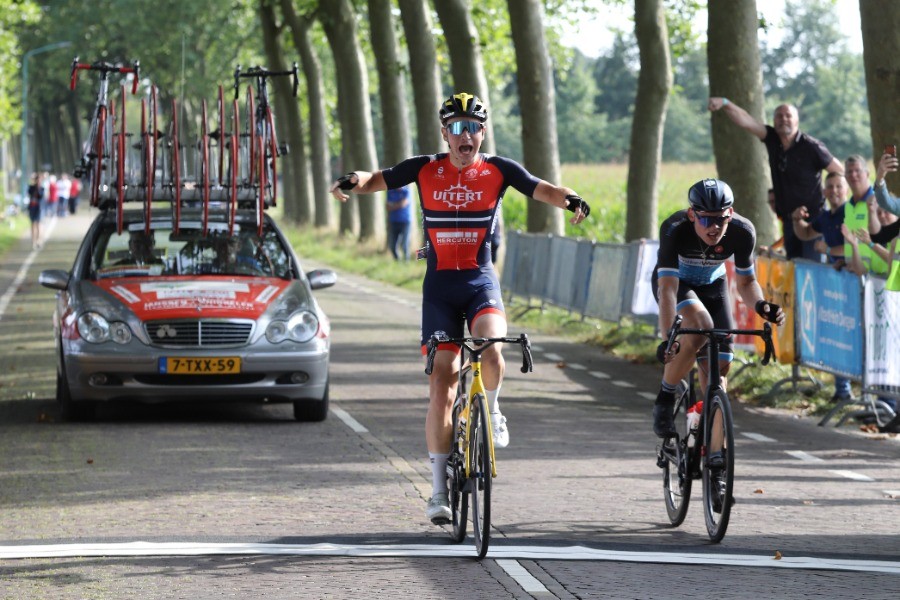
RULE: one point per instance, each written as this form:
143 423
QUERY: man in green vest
860 212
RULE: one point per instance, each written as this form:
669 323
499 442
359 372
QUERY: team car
189 311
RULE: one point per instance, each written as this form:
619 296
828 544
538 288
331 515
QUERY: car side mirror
55 279
321 278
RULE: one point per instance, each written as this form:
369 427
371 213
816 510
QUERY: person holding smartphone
888 164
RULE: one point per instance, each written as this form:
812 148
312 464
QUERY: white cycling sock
438 472
493 398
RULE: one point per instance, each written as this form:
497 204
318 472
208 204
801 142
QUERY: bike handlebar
765 333
473 344
260 73
105 69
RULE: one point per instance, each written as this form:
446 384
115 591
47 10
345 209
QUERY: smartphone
891 149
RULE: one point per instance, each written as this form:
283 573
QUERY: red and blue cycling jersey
460 208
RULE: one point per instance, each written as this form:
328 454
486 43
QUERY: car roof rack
220 174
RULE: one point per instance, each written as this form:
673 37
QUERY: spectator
73 195
52 195
879 243
796 161
887 164
860 212
63 189
35 194
826 227
142 248
399 222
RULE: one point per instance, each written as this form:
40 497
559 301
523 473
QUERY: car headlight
94 328
301 327
276 332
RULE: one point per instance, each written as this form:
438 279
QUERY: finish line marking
440 551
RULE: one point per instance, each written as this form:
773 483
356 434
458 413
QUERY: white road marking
440 551
349 421
7 296
552 356
647 395
801 455
599 374
853 475
892 493
536 348
622 384
577 367
757 436
525 579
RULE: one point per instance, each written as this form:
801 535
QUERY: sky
594 37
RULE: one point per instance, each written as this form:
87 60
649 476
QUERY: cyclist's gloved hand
770 311
661 350
346 182
576 202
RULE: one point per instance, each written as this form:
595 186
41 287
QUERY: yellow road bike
471 465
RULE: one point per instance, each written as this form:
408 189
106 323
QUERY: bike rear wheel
459 499
718 483
480 473
676 466
97 166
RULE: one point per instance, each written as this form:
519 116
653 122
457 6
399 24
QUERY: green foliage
15 17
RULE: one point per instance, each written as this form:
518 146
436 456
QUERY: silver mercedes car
166 314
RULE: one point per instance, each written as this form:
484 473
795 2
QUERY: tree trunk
650 103
881 55
318 124
466 63
427 93
295 167
534 76
734 72
355 113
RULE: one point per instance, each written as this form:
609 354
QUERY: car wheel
312 410
69 409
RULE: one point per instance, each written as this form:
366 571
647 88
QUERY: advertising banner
776 277
643 302
882 310
744 316
829 315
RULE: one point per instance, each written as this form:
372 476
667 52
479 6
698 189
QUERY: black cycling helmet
710 195
463 105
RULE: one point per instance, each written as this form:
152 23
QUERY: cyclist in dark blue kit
460 193
689 280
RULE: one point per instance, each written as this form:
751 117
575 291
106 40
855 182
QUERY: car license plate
199 366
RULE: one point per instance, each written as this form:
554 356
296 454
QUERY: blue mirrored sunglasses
457 127
709 221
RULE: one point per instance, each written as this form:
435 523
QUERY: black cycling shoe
663 419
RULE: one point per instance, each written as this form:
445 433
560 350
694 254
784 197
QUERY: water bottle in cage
693 422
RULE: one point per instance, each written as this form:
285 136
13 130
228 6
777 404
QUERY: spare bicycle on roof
209 181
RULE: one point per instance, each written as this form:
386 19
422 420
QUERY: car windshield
134 253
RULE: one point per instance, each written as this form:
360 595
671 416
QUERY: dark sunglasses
709 221
457 127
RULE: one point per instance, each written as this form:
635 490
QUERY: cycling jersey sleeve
515 175
743 249
405 172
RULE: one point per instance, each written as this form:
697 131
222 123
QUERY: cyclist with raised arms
460 192
689 279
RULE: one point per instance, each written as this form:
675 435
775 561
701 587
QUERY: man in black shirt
796 161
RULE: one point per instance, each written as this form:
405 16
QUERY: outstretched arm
738 115
361 182
560 197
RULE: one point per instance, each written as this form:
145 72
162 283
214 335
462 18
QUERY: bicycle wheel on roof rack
253 134
271 154
149 144
204 167
97 150
261 192
220 138
234 166
118 148
175 168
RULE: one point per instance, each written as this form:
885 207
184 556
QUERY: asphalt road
205 501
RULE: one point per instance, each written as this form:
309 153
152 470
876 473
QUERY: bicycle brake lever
431 346
770 345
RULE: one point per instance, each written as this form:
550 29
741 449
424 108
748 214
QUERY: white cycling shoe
500 432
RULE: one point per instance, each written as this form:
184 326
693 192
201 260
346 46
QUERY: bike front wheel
718 466
480 473
676 458
456 479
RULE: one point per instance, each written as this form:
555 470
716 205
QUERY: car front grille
201 333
